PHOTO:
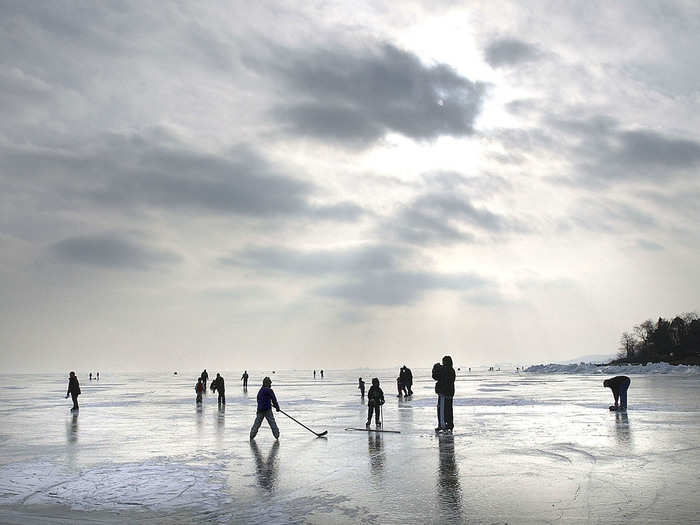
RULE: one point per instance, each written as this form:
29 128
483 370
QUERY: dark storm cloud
602 151
397 288
510 51
445 213
154 171
644 151
319 262
648 245
610 216
357 96
112 251
368 275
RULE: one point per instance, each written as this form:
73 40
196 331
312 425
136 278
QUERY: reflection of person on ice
73 390
375 399
361 386
266 400
619 386
445 376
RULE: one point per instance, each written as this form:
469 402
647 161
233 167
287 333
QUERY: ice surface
528 448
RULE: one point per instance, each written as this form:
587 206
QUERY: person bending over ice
619 386
266 400
375 399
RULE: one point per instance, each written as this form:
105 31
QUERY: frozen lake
528 448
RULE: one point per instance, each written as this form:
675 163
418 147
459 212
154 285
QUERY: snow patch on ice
590 368
154 485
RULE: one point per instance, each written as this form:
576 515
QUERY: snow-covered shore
590 368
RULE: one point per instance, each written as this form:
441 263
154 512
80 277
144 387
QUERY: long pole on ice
303 425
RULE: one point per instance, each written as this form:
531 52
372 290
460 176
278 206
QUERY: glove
277 409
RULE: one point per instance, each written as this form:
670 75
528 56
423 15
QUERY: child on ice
375 399
361 386
266 400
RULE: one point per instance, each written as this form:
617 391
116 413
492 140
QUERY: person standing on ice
361 386
445 376
375 399
205 378
266 400
218 386
619 386
408 380
73 390
199 389
244 378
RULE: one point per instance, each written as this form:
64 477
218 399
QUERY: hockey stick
303 425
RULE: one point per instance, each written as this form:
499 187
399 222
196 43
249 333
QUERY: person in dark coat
408 380
205 378
73 390
266 400
361 386
375 399
199 389
445 376
244 378
619 386
218 386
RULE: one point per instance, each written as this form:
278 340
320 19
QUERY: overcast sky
330 184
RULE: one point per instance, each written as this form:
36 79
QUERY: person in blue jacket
266 400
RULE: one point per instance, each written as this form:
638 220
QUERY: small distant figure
174 373
205 378
199 389
361 386
314 374
98 376
445 375
375 399
470 368
218 386
73 390
619 386
266 400
90 375
244 378
321 374
399 386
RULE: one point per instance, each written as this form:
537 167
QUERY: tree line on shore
676 341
